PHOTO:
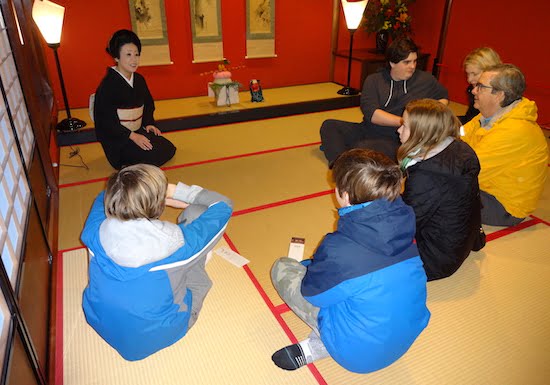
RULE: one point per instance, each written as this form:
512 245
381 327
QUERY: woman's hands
141 141
153 129
173 202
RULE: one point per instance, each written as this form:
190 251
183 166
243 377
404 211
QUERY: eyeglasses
479 86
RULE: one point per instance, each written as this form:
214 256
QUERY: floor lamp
48 17
353 13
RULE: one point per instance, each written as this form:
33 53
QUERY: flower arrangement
391 16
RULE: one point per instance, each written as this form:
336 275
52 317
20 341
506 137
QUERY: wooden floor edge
53 235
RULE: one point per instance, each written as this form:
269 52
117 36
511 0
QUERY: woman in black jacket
441 186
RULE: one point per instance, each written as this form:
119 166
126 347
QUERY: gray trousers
196 278
287 275
493 212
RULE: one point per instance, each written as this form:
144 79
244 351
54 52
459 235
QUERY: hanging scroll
206 29
149 23
260 28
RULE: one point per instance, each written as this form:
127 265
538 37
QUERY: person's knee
281 267
327 127
385 146
278 266
171 149
191 213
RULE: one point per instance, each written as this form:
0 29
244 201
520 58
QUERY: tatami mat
231 343
263 244
543 207
273 177
205 144
489 323
489 326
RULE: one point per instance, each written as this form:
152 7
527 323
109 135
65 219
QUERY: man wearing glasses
510 146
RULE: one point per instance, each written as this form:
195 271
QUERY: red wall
302 45
427 19
515 30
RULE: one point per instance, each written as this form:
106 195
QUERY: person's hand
176 203
170 189
141 141
153 129
170 201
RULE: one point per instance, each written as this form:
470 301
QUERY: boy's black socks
291 357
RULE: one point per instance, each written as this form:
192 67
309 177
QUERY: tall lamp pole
442 39
353 13
48 17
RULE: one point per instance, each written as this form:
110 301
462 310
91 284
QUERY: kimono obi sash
130 117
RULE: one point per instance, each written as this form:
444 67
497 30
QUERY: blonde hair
366 175
483 58
135 192
430 122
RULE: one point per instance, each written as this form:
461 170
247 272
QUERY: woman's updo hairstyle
119 38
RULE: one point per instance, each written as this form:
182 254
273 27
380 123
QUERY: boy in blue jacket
364 292
147 277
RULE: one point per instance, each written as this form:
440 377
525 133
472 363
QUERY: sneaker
291 357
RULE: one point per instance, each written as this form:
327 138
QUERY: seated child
364 292
441 187
147 278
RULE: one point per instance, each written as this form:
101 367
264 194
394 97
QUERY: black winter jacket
444 193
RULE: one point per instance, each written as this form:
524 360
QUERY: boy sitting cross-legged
364 292
147 277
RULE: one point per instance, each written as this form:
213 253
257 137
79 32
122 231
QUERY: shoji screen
16 149
14 189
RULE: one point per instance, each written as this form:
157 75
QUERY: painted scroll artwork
260 28
149 23
206 30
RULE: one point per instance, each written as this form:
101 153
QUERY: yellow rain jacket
513 155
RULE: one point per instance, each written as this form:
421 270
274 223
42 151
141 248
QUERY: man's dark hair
400 49
119 38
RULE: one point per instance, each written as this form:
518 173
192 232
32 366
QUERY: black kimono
119 110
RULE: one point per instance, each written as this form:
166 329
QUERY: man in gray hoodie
383 99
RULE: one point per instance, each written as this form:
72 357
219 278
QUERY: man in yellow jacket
510 145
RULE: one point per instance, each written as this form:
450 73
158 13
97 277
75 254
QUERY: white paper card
296 248
231 256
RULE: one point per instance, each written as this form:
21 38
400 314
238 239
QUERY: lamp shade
48 17
353 12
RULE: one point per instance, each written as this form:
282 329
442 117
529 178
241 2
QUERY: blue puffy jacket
140 310
369 283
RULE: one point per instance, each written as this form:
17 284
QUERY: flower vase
382 38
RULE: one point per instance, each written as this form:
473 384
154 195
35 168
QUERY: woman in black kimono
123 109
